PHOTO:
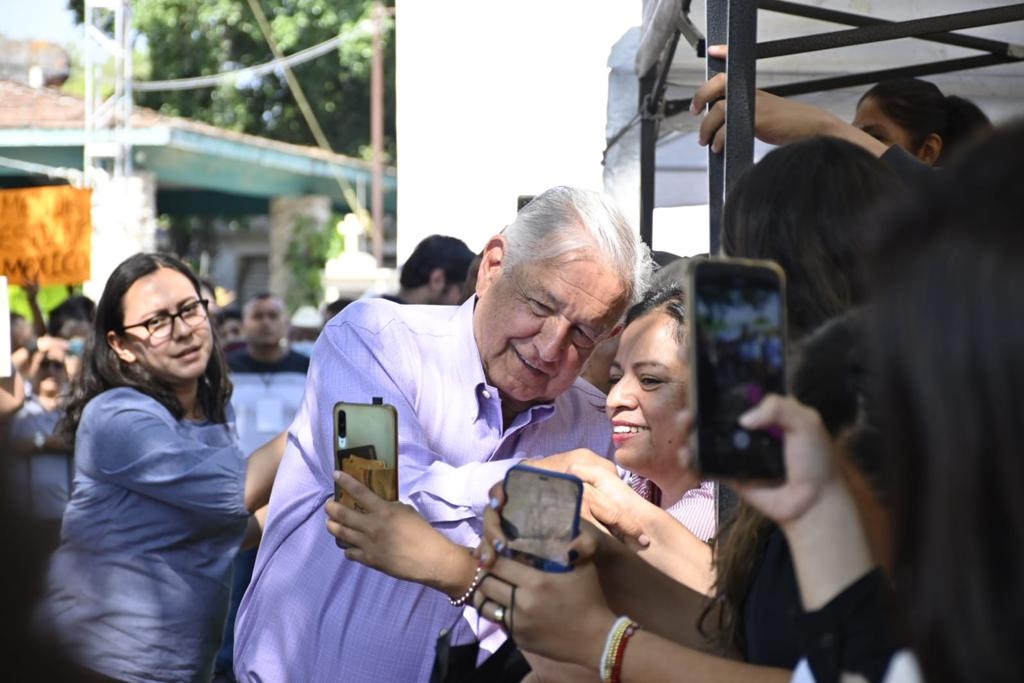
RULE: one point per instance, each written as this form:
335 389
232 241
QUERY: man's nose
552 339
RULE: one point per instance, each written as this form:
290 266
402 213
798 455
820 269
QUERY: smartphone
541 516
737 332
366 446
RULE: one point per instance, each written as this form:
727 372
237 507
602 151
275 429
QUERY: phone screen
541 516
739 357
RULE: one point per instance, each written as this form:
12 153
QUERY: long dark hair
830 373
921 109
948 334
803 205
102 369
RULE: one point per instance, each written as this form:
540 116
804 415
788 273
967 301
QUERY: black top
852 633
293 361
770 606
908 167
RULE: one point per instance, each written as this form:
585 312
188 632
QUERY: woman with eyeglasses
162 494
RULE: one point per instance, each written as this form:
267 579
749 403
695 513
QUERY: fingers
713 89
494 538
718 51
585 545
592 473
782 411
364 497
712 128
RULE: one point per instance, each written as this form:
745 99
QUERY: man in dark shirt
434 273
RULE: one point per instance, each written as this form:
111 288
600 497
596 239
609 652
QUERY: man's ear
930 149
124 353
490 264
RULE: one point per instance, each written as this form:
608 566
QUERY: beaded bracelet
617 657
474 584
614 645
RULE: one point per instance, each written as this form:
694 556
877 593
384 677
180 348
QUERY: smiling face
649 389
536 325
179 359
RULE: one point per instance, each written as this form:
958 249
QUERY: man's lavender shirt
310 614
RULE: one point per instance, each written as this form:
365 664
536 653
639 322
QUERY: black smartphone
541 516
366 446
737 332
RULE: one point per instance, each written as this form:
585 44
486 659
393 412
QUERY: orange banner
46 235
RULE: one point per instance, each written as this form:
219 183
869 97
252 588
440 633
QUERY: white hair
567 219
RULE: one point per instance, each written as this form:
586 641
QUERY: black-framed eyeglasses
161 325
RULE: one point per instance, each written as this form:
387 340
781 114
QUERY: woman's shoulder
119 399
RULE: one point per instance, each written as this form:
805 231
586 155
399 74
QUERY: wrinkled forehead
579 282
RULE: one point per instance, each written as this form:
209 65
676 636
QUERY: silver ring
499 614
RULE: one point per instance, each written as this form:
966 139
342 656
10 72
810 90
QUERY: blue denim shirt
138 589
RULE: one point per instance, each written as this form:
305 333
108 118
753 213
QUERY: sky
39 19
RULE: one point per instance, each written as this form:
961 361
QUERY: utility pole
377 132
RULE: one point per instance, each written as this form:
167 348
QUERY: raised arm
777 120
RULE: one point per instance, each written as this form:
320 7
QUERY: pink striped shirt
695 510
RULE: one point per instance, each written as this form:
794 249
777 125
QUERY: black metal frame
734 22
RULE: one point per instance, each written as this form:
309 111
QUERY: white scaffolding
108 90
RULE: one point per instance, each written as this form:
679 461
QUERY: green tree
185 38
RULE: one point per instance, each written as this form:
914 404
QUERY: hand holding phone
541 516
737 329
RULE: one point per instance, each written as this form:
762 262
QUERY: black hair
335 307
803 206
948 335
921 109
77 307
437 251
670 300
103 369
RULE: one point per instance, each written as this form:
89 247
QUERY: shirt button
486 394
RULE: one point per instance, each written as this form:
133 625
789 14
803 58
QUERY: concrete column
123 223
285 212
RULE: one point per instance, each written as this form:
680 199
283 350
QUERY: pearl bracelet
464 598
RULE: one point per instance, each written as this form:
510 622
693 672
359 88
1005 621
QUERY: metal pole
742 70
717 12
648 141
377 135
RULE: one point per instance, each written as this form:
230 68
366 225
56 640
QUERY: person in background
469 286
43 468
269 378
305 327
918 117
434 273
208 288
163 495
229 329
75 307
333 308
780 121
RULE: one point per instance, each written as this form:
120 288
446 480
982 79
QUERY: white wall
495 100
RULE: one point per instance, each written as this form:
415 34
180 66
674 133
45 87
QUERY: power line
307 113
213 80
